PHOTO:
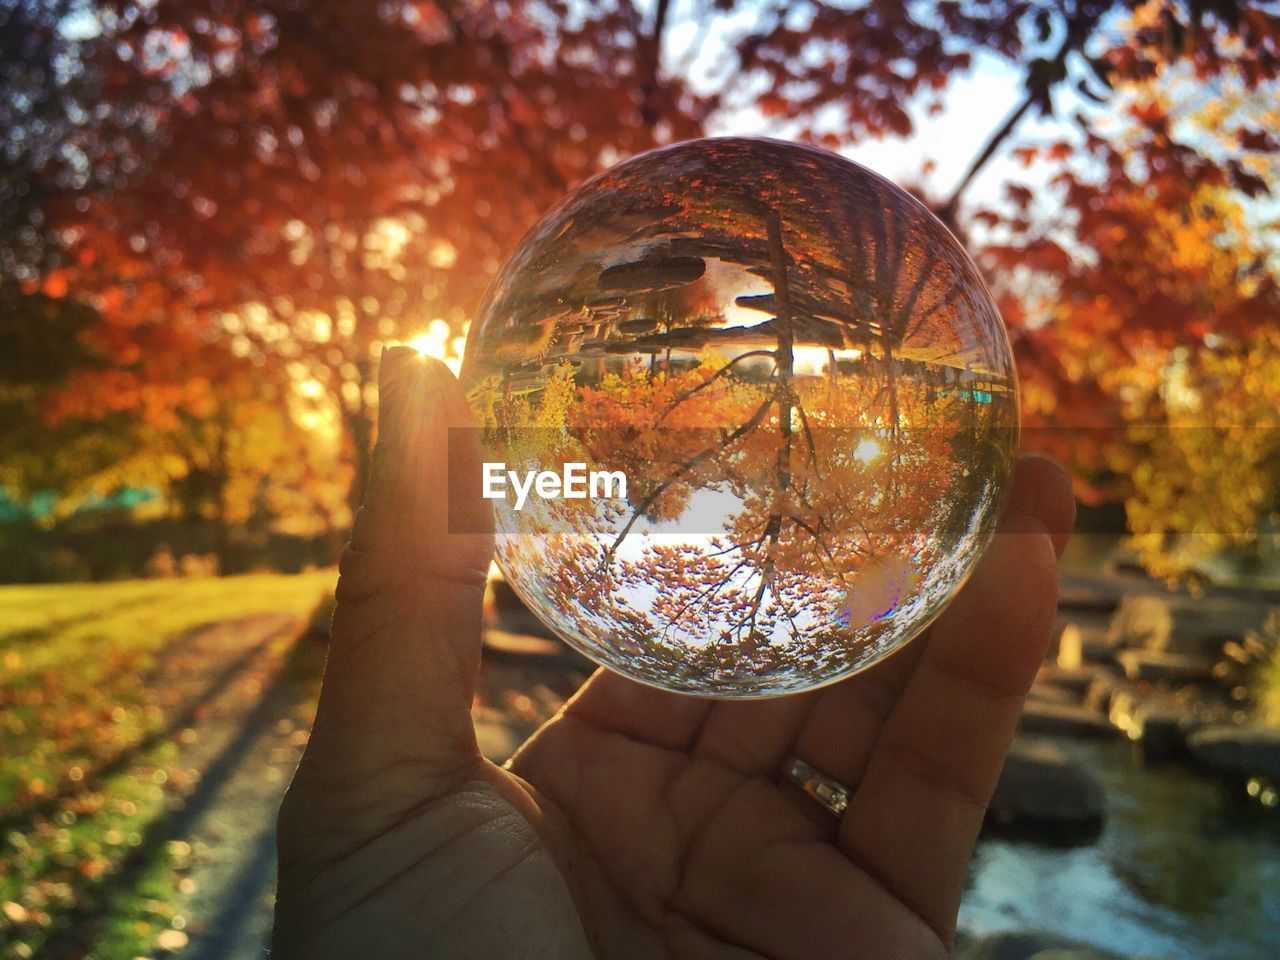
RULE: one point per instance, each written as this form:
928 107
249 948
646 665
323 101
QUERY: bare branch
717 375
1039 81
684 468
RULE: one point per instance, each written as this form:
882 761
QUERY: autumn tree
350 167
1157 263
307 181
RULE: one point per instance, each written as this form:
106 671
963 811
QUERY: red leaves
1250 184
1060 151
1025 155
1257 140
55 285
774 105
1151 115
1020 196
265 187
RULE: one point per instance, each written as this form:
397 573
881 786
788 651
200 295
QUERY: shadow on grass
18 638
79 926
240 898
96 778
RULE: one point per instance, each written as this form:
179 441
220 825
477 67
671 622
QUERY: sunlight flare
438 341
867 450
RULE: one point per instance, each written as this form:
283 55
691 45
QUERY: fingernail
393 361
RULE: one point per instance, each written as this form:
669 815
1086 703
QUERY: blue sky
975 105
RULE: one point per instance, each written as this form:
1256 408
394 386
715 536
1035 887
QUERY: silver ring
832 794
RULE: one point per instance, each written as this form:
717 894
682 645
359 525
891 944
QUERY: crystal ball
749 416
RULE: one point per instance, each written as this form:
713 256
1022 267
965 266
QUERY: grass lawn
86 766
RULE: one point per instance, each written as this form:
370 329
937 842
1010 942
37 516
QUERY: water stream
1184 867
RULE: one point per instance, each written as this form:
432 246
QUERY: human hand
637 823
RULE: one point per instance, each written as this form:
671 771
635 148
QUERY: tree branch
650 111
685 468
948 211
723 371
1041 77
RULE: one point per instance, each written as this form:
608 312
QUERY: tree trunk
359 426
360 432
221 531
785 359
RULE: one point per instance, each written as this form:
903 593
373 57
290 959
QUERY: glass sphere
763 411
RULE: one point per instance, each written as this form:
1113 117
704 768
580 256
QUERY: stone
1089 593
1158 724
501 597
1201 625
1122 709
504 610
1170 669
1040 784
1162 732
1242 750
1063 720
1103 690
1081 643
1048 693
1070 648
505 644
1077 680
1141 622
1199 640
1029 945
523 622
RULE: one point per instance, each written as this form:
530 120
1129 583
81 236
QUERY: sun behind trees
806 385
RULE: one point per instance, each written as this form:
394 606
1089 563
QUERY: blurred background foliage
214 214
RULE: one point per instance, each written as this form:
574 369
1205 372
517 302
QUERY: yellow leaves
1200 458
179 853
558 396
172 940
15 912
93 868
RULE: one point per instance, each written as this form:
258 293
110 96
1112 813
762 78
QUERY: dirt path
245 749
238 713
237 699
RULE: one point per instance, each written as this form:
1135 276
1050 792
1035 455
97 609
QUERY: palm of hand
684 841
675 839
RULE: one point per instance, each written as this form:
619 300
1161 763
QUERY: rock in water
1165 668
1064 720
1041 785
1248 751
1030 945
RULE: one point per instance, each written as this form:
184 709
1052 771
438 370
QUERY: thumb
393 726
423 516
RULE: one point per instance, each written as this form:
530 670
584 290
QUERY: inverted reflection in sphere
806 385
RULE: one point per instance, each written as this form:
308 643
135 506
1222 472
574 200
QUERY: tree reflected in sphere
806 384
